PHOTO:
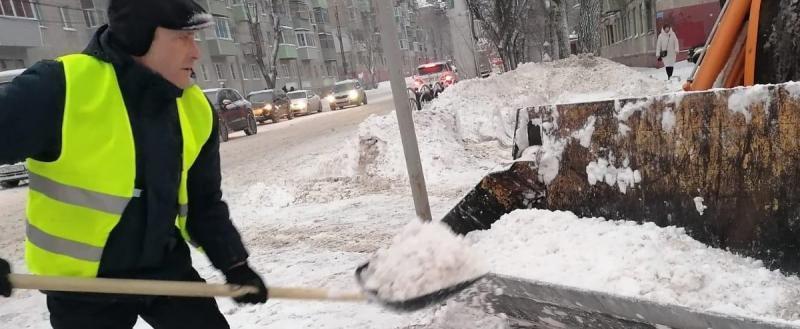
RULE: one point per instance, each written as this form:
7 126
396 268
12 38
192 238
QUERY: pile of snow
794 89
645 261
485 108
743 98
441 152
477 111
425 257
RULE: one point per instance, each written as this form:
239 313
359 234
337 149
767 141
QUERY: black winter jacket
145 244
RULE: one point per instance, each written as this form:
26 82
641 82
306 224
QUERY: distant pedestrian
284 89
667 48
292 89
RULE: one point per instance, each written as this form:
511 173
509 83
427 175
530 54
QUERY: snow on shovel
426 264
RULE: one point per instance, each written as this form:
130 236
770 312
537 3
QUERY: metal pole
391 46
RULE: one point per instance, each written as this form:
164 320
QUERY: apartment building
315 39
34 30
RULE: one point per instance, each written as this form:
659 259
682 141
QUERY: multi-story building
310 52
437 42
34 30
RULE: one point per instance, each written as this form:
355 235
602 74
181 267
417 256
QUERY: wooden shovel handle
168 288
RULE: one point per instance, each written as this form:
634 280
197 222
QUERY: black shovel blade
416 303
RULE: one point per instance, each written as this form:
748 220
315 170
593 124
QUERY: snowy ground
315 197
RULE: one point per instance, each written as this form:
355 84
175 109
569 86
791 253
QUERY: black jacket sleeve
209 222
31 112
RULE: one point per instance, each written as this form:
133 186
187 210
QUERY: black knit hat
133 23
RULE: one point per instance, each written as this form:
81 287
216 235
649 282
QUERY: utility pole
341 43
391 48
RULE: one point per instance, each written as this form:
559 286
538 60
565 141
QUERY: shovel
415 303
201 289
171 288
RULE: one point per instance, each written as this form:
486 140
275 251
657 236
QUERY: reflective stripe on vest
76 201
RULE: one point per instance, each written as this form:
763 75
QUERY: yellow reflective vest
75 201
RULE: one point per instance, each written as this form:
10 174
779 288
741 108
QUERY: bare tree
337 5
559 8
501 22
269 70
589 26
371 45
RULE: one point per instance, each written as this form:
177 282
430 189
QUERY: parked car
432 79
270 105
347 93
235 113
11 174
305 102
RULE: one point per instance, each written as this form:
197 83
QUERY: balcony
287 51
222 47
20 32
309 53
301 23
319 3
330 54
239 13
216 7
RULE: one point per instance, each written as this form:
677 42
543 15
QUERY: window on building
37 10
647 11
284 70
66 21
16 8
220 72
204 72
223 29
233 71
92 15
285 36
245 75
256 72
327 41
305 39
321 15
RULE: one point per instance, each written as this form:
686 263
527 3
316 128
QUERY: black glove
5 285
243 275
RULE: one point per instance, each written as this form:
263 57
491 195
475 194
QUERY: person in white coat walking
667 48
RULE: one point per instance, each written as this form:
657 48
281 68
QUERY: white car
304 102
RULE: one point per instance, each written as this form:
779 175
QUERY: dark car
347 93
270 105
11 174
235 113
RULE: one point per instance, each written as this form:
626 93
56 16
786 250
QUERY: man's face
172 54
